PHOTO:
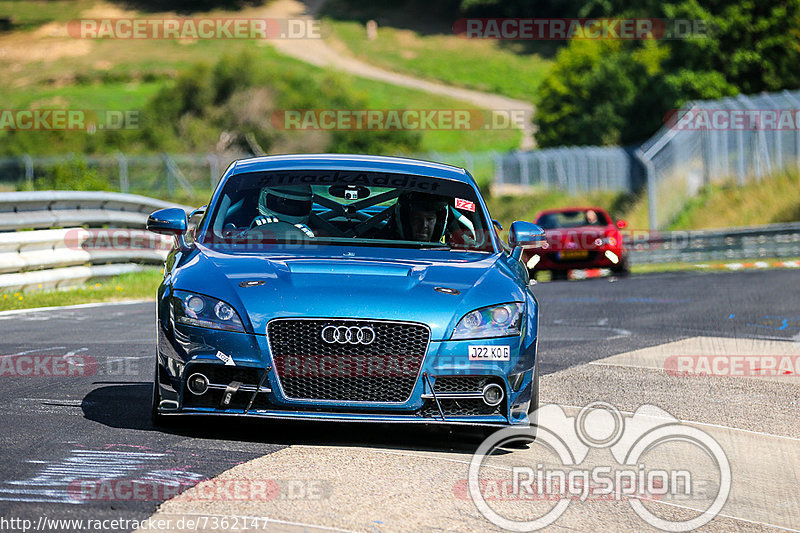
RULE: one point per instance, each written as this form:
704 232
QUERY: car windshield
572 219
347 208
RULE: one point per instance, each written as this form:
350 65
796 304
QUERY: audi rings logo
348 334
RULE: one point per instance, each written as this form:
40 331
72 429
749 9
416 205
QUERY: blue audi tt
346 288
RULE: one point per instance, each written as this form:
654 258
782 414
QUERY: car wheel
534 392
558 275
623 268
155 417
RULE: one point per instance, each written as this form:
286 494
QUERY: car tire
156 418
534 391
558 275
623 268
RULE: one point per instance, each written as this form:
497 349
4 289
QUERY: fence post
524 175
649 171
28 171
468 161
572 172
169 176
123 172
594 170
777 142
213 167
796 102
499 178
705 155
544 176
740 171
758 135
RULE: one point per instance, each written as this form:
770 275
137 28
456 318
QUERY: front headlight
610 241
204 312
494 321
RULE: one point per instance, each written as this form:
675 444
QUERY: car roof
566 209
355 162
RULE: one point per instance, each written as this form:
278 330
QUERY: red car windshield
572 219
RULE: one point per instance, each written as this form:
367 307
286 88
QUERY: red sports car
578 237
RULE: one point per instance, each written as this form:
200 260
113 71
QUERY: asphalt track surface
600 339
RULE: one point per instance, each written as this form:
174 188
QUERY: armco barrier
48 258
770 241
71 254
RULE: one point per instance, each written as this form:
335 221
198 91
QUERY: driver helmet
289 204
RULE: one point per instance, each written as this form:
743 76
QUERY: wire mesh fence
172 176
735 140
574 169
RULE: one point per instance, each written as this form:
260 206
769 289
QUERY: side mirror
170 221
524 235
621 224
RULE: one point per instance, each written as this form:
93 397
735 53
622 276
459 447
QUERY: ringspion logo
598 455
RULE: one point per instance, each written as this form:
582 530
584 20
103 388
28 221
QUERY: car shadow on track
127 406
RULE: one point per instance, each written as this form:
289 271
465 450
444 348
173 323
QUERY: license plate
489 353
574 254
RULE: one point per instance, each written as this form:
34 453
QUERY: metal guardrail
770 241
111 241
101 234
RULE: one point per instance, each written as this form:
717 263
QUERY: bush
72 175
239 94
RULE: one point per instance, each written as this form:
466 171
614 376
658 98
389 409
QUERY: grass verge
711 266
124 74
134 286
447 58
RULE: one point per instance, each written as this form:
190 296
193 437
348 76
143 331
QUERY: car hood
373 283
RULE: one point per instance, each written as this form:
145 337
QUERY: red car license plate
574 254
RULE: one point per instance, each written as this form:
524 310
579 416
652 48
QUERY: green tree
598 92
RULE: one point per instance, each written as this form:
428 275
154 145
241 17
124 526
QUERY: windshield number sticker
465 205
489 353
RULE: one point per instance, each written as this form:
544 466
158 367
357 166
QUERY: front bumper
596 258
190 350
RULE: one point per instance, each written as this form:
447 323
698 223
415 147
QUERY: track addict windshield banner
258 180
